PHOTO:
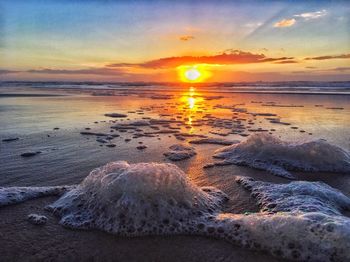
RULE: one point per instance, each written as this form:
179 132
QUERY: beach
174 131
69 132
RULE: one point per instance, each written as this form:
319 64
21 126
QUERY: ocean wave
266 152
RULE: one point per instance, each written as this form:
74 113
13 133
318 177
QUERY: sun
193 73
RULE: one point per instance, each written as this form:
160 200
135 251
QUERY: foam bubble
266 152
36 219
15 195
137 199
297 197
299 220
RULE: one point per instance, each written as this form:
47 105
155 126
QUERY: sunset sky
151 40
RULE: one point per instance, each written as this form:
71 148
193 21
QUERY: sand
67 157
23 241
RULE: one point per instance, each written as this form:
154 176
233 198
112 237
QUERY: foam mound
266 152
299 221
297 197
16 195
179 152
137 199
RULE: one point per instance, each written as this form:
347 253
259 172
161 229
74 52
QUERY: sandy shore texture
22 241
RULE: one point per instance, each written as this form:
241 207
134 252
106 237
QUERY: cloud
335 69
186 37
340 69
285 23
287 62
253 25
229 57
312 15
5 71
303 16
326 57
91 71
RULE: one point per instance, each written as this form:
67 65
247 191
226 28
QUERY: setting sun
194 73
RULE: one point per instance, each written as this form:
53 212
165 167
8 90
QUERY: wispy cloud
253 25
285 23
325 70
186 37
326 57
6 71
287 62
226 58
341 69
312 15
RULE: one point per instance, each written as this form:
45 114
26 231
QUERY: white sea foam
297 196
179 152
15 195
137 199
36 219
266 152
299 220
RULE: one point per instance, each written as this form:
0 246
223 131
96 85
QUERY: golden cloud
229 57
285 23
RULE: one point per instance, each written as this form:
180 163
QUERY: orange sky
150 41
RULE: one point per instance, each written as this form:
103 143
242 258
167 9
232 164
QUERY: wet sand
68 156
22 241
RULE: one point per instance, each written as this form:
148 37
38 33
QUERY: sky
127 41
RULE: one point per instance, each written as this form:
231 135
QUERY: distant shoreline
28 95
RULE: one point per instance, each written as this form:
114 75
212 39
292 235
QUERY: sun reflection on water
191 101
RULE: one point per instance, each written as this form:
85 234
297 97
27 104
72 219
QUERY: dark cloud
229 57
326 57
186 37
91 71
287 62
